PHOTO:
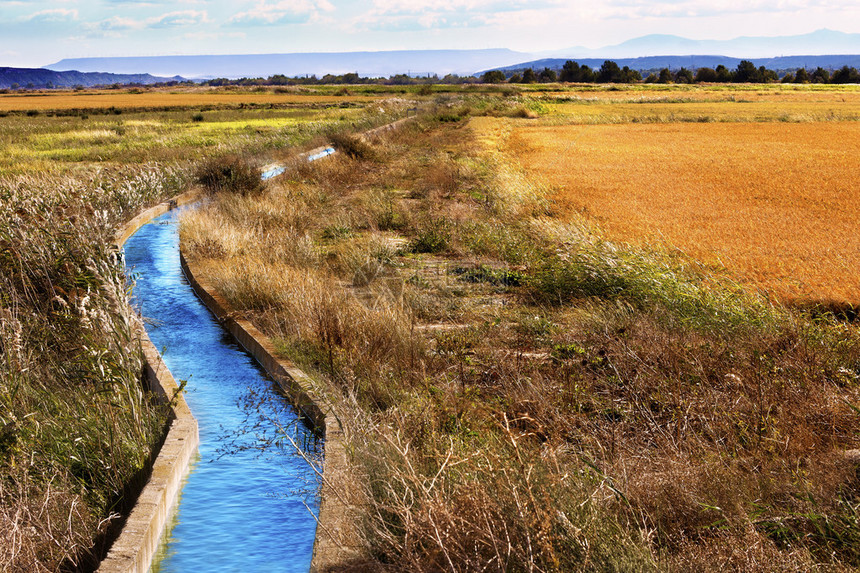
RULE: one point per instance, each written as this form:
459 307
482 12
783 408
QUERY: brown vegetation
76 425
521 394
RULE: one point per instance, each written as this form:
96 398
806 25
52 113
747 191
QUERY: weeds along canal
244 505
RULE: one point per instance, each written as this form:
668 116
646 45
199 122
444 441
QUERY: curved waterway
242 507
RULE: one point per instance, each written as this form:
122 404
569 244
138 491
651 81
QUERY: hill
818 43
368 64
42 78
653 63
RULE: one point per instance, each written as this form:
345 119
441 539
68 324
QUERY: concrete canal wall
336 539
133 550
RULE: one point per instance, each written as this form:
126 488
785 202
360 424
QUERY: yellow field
776 203
158 99
701 106
807 93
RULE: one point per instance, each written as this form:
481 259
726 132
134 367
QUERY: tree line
573 72
350 78
611 72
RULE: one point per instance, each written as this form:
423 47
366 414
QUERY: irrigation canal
240 508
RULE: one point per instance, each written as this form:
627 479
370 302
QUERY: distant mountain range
818 43
653 63
366 64
825 48
40 78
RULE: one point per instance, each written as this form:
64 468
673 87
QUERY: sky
34 33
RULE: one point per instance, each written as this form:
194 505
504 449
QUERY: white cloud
117 23
53 15
707 8
461 6
154 2
115 26
209 36
181 18
284 12
417 15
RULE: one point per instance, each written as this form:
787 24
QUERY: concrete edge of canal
336 539
133 550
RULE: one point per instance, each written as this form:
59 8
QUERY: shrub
232 174
434 236
352 145
523 112
486 274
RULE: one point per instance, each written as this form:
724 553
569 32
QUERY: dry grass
76 425
162 99
699 104
773 202
711 93
527 396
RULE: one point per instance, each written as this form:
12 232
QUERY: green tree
588 75
570 72
801 76
788 78
651 79
516 79
845 75
529 76
684 76
767 76
747 72
493 77
547 76
630 76
723 74
666 77
609 73
706 75
820 76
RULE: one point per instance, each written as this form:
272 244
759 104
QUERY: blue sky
36 32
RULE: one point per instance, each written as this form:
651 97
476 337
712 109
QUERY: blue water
273 172
324 153
243 505
277 170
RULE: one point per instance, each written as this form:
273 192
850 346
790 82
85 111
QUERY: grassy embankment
522 394
76 427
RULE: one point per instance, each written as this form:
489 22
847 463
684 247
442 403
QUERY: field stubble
774 203
142 100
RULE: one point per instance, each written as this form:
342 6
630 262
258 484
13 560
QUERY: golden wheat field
735 93
140 99
777 204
